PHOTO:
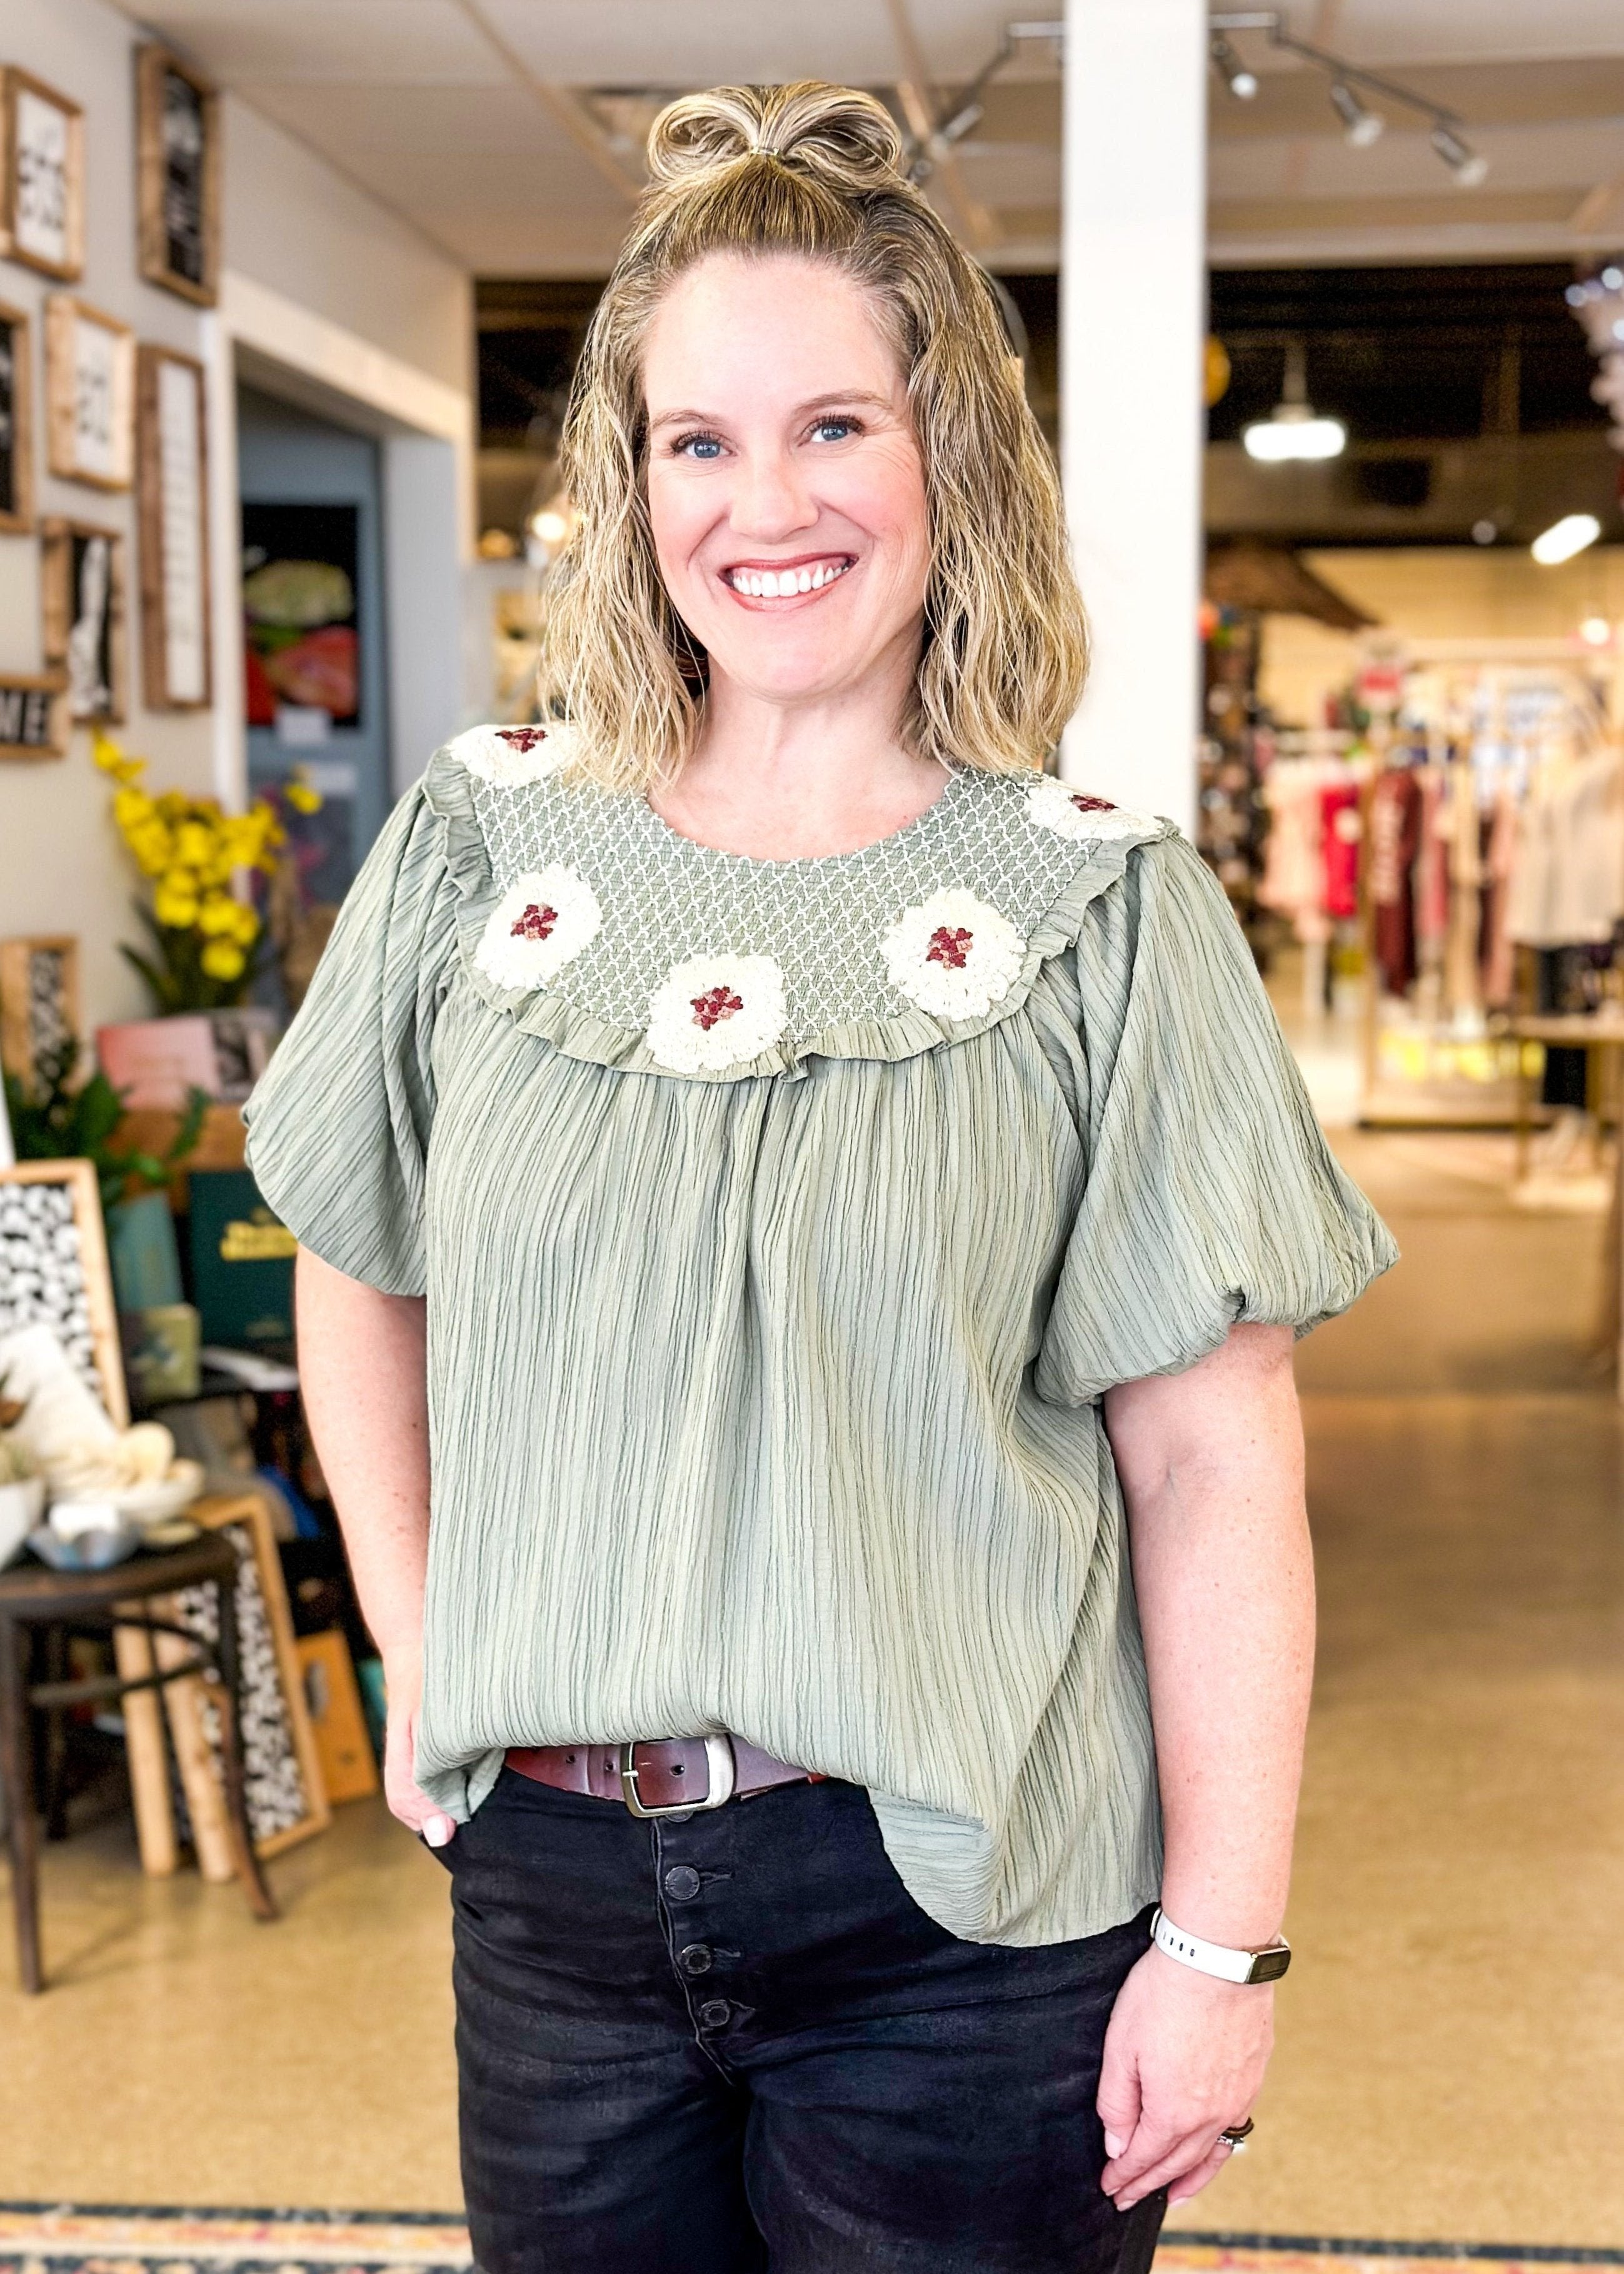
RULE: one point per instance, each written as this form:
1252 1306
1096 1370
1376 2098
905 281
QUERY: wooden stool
31 1595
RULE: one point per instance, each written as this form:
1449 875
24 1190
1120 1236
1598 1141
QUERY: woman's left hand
1185 2057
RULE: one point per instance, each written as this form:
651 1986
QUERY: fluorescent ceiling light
1294 432
1360 126
1565 537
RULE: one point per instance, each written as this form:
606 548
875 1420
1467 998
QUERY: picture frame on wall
16 422
177 175
41 176
34 714
40 1003
83 592
89 394
172 518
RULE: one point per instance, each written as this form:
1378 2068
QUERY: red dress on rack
1339 839
1395 840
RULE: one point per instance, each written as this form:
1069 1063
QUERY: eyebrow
813 402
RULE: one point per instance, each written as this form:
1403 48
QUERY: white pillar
1133 302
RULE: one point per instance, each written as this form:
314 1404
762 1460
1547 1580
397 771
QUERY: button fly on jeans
682 1883
715 2013
698 1958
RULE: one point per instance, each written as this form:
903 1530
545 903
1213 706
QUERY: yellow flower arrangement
193 852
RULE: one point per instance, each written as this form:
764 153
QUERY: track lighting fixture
1361 126
1468 166
1242 83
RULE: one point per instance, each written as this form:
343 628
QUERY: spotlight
1468 166
1595 631
1565 537
1242 83
1485 532
1360 126
1612 278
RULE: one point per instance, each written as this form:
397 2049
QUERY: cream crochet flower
715 1011
953 955
542 922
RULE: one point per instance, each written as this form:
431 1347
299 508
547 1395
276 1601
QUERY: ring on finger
1235 2136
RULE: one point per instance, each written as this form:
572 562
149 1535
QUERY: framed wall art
89 394
16 422
172 500
34 714
177 164
39 1002
41 176
54 1271
82 587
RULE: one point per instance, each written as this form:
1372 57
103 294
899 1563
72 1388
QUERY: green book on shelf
242 1262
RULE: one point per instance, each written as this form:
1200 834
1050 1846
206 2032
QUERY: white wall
312 258
61 867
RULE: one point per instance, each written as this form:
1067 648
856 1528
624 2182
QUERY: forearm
1212 1468
362 1369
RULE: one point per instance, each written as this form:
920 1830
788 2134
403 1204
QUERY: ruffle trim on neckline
578 1032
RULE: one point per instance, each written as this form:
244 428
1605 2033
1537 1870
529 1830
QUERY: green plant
51 1120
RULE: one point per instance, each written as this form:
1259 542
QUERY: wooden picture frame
86 1277
39 1001
16 421
34 714
172 518
83 603
89 394
281 1746
41 176
177 175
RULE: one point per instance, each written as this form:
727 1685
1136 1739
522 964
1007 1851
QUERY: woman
818 1209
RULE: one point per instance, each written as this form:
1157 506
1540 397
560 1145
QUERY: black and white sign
42 198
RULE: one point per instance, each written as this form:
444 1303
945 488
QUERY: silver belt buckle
718 1791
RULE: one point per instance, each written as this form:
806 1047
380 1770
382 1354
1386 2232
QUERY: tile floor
1451 2061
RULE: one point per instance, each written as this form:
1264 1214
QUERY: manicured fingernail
1114 2143
438 1829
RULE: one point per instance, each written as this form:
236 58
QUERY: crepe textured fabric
769 1400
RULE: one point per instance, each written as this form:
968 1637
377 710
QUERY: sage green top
782 1225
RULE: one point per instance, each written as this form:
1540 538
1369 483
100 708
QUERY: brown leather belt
661 1776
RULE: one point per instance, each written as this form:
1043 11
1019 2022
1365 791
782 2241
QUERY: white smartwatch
1264 1965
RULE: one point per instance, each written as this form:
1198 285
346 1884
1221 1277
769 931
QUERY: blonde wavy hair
816 171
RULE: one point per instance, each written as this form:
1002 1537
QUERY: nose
771 499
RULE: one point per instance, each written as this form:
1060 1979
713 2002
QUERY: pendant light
1292 431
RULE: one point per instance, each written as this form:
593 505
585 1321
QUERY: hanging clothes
1340 832
1394 841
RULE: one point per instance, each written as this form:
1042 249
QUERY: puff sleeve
339 1124
1211 1195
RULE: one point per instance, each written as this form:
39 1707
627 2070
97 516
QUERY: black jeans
733 2042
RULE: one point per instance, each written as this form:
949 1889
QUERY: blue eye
699 445
834 430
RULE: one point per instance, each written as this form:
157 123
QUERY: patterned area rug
113 2239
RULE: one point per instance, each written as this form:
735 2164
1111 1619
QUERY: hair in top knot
812 172
843 139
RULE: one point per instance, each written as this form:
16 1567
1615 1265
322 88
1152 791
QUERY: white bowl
20 1505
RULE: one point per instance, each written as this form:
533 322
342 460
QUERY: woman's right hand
402 1675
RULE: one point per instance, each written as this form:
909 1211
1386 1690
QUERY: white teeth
777 585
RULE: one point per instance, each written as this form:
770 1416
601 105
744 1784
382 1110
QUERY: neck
792 780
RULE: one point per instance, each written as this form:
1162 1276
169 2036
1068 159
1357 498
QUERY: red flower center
1092 804
522 738
949 947
536 924
715 1004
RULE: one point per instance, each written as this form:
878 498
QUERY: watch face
1270 1965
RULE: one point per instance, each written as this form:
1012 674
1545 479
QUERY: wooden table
31 1597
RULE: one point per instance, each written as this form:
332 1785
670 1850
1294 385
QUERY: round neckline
803 860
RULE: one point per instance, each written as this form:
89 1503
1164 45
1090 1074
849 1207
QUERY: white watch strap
1214 1958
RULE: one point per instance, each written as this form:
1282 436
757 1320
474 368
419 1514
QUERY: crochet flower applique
715 1011
1073 813
953 955
509 756
542 922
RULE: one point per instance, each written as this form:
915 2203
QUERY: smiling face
785 489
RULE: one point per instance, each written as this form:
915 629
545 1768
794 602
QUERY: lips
753 580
